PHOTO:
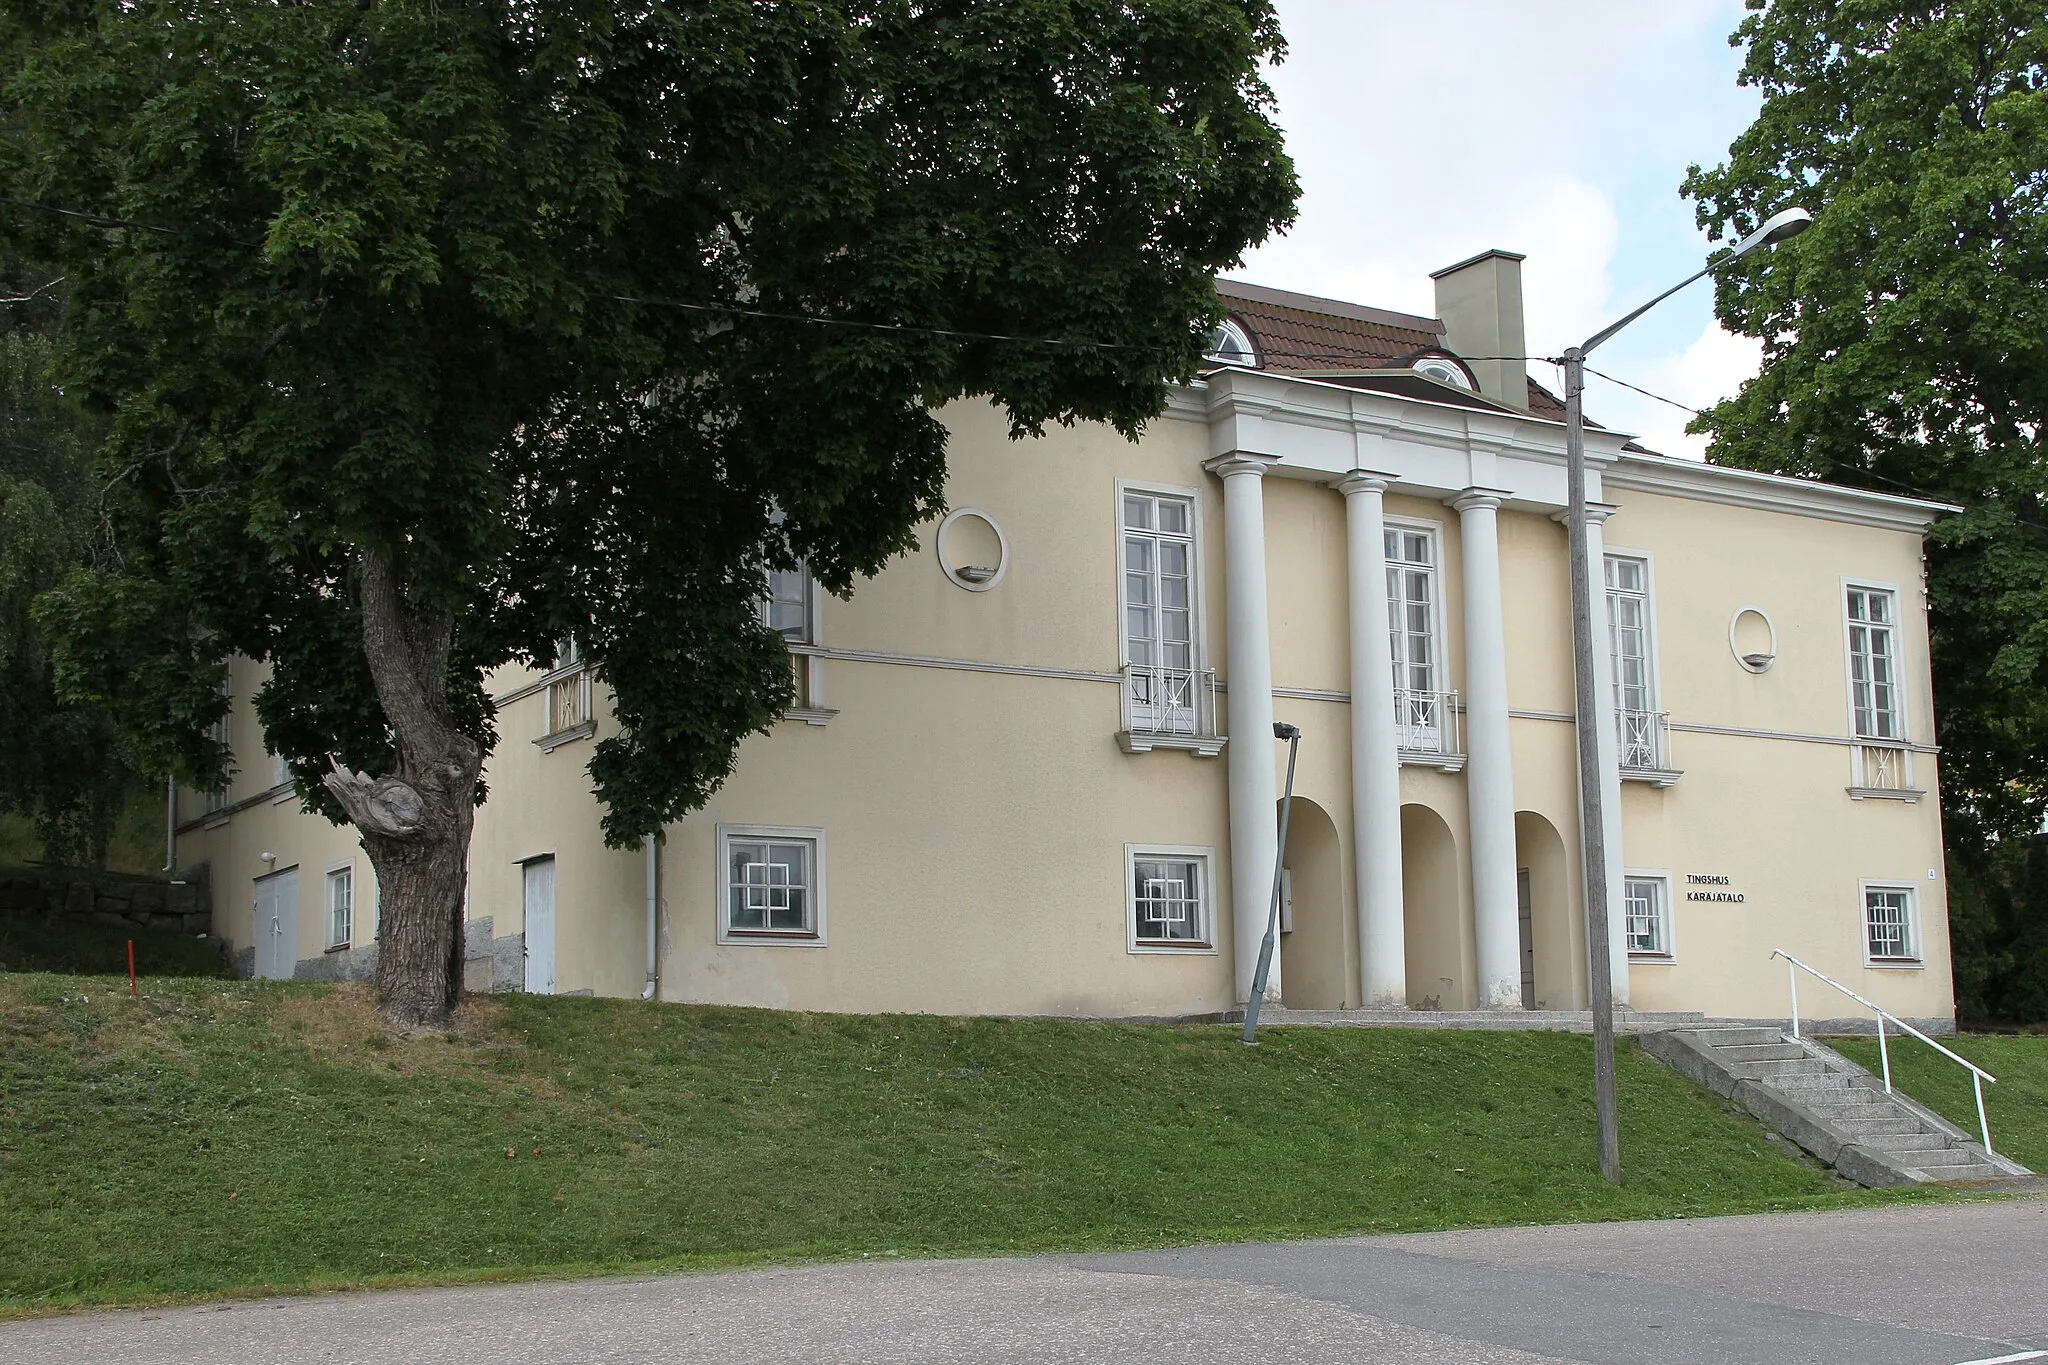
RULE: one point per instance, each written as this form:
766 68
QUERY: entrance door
277 925
1525 913
540 925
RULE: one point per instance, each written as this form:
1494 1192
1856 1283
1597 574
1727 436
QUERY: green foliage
1906 334
279 1128
31 943
1998 930
61 766
401 280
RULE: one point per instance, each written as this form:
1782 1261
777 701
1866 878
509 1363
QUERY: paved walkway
1931 1285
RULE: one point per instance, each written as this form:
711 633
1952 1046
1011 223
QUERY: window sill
810 715
214 819
738 937
337 947
1652 960
549 743
1171 949
1895 964
1141 742
1423 758
1906 794
1656 777
281 793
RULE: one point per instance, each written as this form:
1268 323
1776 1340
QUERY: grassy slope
2017 1105
238 1136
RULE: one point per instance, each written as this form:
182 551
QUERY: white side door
540 925
277 925
262 918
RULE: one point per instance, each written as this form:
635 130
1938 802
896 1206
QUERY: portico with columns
1478 470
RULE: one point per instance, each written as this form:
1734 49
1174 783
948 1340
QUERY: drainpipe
652 852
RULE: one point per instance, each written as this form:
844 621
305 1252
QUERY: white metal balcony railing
1428 723
1170 708
571 714
1882 766
1644 740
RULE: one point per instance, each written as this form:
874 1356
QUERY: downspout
652 851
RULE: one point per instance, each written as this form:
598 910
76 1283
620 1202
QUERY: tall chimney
1480 302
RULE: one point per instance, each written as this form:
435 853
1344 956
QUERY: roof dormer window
1232 345
1444 370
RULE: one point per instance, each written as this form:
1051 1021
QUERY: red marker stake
131 968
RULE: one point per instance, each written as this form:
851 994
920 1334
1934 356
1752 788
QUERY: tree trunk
415 821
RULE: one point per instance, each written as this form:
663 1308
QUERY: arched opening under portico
1314 961
1549 945
1432 913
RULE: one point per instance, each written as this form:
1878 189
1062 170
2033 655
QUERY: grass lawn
2017 1105
240 1137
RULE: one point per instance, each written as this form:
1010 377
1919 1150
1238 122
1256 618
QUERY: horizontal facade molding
874 656
1760 492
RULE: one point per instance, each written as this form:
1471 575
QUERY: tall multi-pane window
221 732
1159 610
1874 663
786 605
1169 898
1644 912
1628 636
1412 595
341 907
1888 924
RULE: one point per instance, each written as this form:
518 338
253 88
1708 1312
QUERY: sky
1425 132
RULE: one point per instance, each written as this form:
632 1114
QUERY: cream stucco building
1032 772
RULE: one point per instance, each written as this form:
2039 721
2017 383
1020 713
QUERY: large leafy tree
60 765
1906 335
437 331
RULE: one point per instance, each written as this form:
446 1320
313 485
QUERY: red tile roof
1301 332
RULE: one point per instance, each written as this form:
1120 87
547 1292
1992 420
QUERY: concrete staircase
1829 1105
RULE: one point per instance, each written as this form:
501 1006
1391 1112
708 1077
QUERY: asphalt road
1930 1285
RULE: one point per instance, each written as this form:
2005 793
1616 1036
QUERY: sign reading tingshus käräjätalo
1710 886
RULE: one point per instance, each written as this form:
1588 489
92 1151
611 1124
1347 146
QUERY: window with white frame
1159 611
1874 700
772 883
1169 898
1628 644
1646 915
1413 591
341 907
1889 931
785 605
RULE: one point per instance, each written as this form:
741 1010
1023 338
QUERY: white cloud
1426 133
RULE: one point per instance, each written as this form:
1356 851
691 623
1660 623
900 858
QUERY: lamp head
1781 226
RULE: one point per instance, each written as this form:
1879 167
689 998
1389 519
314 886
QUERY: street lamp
1779 227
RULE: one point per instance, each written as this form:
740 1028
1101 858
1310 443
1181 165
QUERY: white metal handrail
1645 738
1978 1075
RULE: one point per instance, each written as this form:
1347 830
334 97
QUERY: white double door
277 925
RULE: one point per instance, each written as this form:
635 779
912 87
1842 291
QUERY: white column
1254 788
1609 738
1375 756
1489 765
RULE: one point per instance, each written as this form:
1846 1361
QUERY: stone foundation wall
488 964
182 904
